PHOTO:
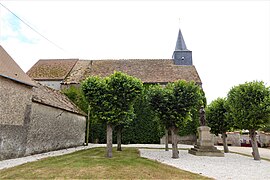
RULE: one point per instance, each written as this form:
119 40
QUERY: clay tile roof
51 69
10 69
51 97
148 70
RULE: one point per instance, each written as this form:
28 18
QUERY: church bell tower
181 55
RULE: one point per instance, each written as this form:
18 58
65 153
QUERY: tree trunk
119 137
255 150
109 140
225 145
175 154
87 126
166 140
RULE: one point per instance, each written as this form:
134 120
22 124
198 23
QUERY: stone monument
205 145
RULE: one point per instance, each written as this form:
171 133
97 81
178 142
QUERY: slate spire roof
180 43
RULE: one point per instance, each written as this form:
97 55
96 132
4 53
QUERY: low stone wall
51 128
13 137
233 139
264 139
189 139
12 141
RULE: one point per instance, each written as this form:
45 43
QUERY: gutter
13 79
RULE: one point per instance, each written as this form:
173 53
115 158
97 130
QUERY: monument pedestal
205 145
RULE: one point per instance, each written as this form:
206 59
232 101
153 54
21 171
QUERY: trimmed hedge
144 129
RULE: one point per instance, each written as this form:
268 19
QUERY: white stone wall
233 139
264 139
188 139
15 108
51 128
14 97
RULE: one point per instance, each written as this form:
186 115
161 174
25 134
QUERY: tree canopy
249 106
111 100
216 114
218 119
174 104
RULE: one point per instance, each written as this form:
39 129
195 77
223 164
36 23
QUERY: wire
31 27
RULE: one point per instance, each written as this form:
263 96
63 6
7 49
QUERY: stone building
65 73
34 118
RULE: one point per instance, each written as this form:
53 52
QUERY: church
63 73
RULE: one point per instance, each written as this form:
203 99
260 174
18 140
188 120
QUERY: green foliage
249 105
77 97
191 126
111 99
97 131
216 114
159 99
174 103
145 127
96 92
124 90
266 127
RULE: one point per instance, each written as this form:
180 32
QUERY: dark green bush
145 127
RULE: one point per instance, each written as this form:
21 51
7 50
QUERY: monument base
205 145
206 151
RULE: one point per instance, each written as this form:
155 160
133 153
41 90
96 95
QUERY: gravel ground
232 166
18 161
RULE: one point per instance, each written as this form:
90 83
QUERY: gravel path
18 161
232 166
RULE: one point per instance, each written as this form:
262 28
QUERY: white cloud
230 40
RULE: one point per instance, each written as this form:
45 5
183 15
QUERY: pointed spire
181 55
180 44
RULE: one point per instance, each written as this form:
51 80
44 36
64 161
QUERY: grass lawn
91 164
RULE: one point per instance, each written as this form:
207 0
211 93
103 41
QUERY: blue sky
230 40
15 26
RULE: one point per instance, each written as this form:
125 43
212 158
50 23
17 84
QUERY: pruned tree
249 106
159 100
96 92
124 90
218 120
111 100
173 104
